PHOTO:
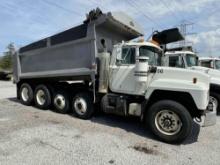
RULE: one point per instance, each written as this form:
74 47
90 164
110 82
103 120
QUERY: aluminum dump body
72 54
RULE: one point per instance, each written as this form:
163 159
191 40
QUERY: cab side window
176 61
128 56
206 64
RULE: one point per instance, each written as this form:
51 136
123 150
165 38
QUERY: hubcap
24 94
41 97
59 101
168 122
80 106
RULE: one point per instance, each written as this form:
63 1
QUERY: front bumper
209 117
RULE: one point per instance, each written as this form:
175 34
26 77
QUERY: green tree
6 60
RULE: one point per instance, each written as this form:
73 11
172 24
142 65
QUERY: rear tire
61 101
42 97
26 94
82 105
169 121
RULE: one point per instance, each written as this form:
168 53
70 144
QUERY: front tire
82 105
42 97
169 121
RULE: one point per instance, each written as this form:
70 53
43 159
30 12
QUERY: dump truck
185 58
99 63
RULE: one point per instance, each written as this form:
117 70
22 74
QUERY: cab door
122 71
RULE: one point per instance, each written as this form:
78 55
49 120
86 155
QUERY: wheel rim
25 94
59 101
41 97
168 122
80 106
213 101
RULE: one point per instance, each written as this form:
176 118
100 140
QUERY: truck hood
181 80
215 74
178 75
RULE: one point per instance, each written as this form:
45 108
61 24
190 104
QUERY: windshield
191 60
154 54
217 64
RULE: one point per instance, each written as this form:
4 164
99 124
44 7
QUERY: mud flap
209 117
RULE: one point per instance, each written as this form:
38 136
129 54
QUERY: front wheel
169 121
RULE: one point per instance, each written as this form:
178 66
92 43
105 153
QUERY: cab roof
142 44
180 52
208 58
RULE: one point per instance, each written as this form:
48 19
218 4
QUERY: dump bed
72 54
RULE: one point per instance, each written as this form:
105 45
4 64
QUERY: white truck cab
138 79
136 69
210 62
189 60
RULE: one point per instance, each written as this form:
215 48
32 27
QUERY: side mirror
119 56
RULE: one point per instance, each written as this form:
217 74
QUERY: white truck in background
210 62
91 64
188 59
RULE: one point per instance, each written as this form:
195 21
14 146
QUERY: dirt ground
32 136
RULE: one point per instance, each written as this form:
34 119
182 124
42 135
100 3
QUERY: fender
181 80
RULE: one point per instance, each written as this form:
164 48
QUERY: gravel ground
7 89
32 136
